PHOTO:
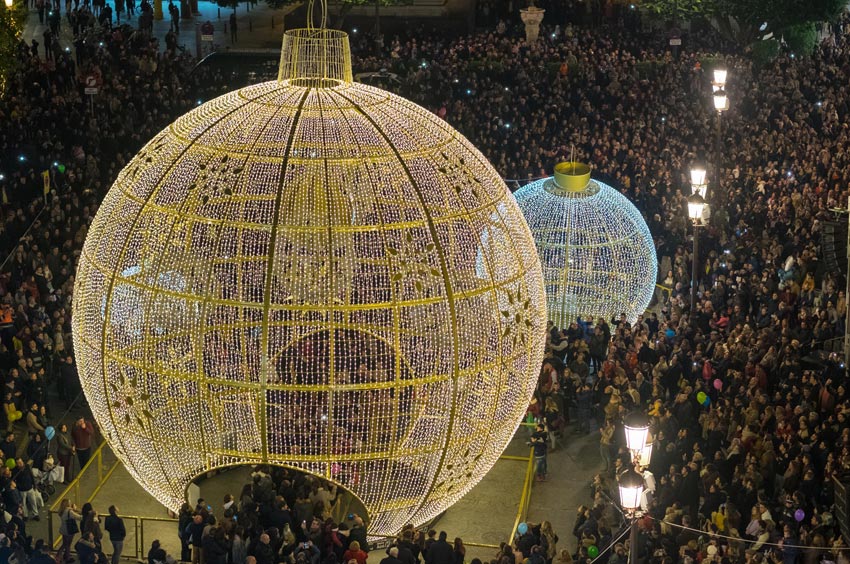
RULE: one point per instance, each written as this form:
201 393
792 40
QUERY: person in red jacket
354 553
83 435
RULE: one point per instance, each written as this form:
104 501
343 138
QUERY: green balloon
61 168
593 551
701 397
10 463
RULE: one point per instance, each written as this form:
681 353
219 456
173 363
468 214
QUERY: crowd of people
731 475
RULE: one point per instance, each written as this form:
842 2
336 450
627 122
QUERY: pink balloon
718 384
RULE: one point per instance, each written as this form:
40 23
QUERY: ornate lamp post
631 483
696 205
721 104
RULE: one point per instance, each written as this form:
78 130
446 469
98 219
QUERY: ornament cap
315 58
572 176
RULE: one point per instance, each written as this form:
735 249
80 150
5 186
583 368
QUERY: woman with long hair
91 524
459 551
69 526
549 540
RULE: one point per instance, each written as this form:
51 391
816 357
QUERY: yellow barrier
524 500
525 497
72 490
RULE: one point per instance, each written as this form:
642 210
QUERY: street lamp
698 181
645 454
630 485
721 102
10 3
719 78
636 425
696 205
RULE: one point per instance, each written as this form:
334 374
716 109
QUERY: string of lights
597 253
747 541
316 274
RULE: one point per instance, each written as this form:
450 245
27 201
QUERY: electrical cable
741 539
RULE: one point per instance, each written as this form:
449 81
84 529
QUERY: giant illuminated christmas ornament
597 252
315 274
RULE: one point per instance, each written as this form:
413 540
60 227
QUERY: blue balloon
707 402
522 528
50 432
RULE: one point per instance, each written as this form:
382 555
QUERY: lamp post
631 483
696 205
721 104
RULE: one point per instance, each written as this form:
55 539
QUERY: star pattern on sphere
131 400
517 317
459 176
216 177
458 472
413 262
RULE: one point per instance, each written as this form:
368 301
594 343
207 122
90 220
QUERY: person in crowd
69 526
540 444
114 525
65 451
354 553
156 554
440 551
32 500
83 435
392 556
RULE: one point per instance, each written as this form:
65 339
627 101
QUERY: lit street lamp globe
597 253
291 274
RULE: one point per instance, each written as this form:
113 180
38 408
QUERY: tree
746 21
775 16
801 38
228 4
677 9
12 22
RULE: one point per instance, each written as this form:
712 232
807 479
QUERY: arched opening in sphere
265 484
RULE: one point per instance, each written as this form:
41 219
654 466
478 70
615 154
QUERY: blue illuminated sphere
597 253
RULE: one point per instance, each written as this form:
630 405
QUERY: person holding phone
310 551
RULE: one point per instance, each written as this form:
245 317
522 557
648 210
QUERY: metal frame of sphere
316 274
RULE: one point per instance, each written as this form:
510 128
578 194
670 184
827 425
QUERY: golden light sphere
314 274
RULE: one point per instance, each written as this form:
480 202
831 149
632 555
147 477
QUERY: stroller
46 476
